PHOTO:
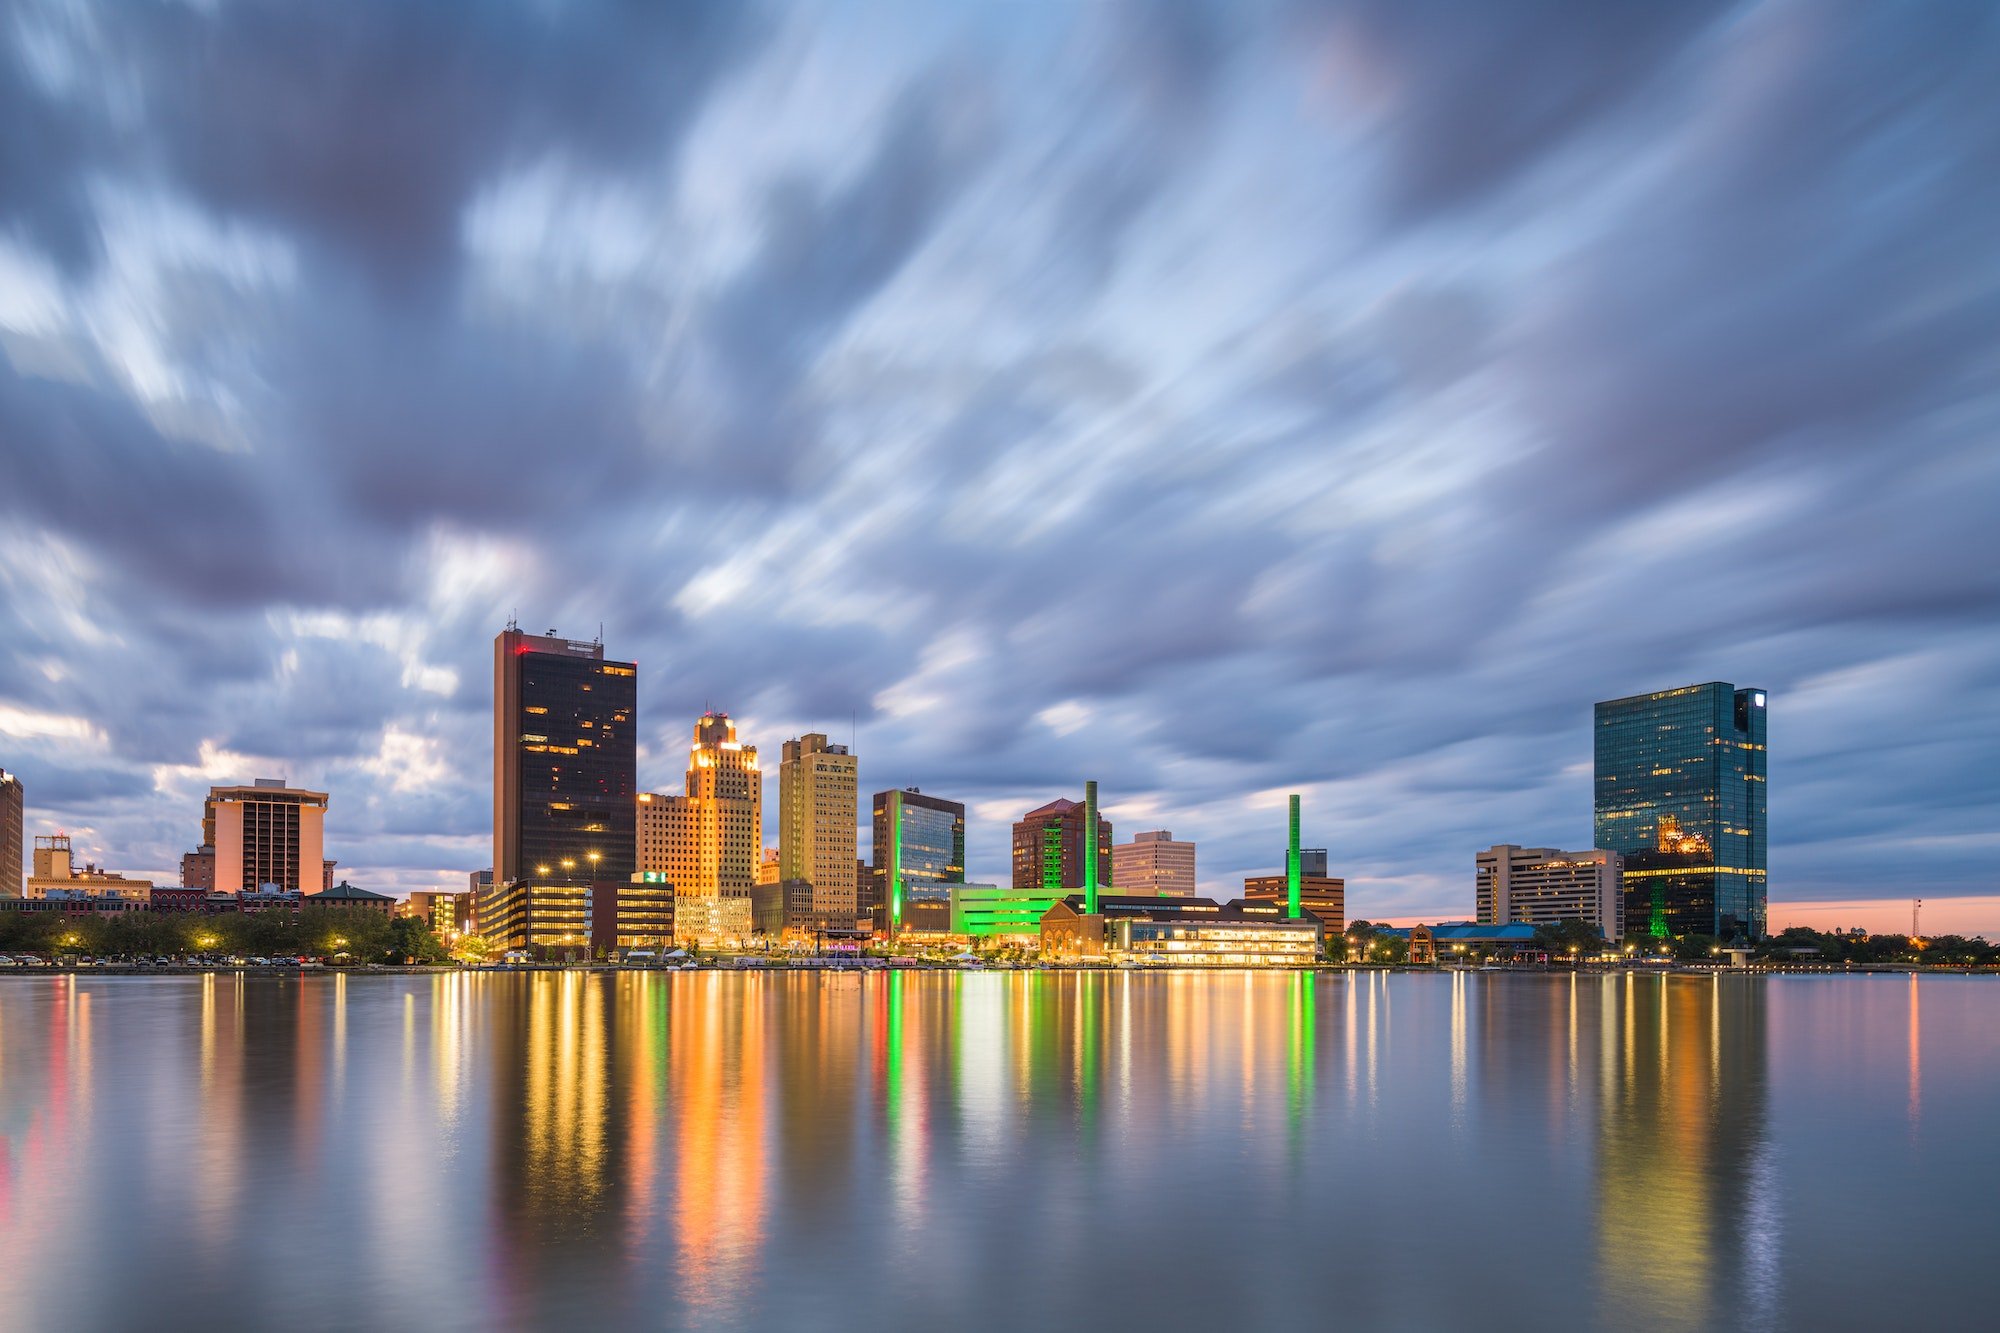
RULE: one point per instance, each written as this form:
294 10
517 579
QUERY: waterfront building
1180 932
54 871
1051 851
713 919
447 914
177 898
346 896
1155 864
707 841
565 758
583 918
1680 795
263 834
817 785
74 902
767 869
13 827
198 869
1541 886
1511 939
1322 896
995 915
919 854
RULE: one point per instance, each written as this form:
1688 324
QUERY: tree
1560 937
412 938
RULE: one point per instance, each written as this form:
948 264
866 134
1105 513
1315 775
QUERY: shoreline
421 969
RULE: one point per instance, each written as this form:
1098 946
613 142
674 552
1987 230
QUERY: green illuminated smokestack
1292 865
1090 848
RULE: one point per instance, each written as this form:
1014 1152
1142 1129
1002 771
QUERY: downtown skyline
930 382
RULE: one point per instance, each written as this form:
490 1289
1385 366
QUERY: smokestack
1090 848
1292 865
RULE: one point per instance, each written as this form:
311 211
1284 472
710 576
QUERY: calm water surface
1000 1150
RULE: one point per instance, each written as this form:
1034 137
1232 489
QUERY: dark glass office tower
918 854
565 760
1680 795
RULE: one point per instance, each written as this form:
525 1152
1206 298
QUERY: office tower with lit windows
1541 886
1051 852
13 820
1680 796
565 760
1154 864
708 841
918 855
817 787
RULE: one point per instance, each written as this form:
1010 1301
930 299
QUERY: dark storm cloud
1209 400
369 124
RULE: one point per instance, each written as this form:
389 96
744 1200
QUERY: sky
1218 401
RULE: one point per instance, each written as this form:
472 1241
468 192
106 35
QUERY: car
260 962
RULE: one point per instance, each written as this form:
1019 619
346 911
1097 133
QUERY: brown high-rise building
1323 896
13 815
565 760
1049 843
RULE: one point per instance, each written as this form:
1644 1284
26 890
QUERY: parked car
260 962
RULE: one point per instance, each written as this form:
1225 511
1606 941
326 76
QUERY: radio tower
1916 912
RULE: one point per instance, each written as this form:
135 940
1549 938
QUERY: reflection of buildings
1680 794
1685 1226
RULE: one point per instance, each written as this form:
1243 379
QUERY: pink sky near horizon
1966 915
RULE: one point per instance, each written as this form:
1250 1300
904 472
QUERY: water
1004 1150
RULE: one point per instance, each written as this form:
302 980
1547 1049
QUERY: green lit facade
918 854
1680 795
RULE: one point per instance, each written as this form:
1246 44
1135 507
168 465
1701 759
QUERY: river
1004 1150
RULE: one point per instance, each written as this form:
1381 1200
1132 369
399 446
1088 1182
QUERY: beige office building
709 841
1154 865
1540 885
13 820
817 787
267 833
54 871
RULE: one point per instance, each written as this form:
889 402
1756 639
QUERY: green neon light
1052 859
895 861
1090 848
1292 865
1657 927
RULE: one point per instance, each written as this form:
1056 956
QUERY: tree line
314 932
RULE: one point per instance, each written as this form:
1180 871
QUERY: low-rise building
1181 932
55 871
1321 895
1541 886
992 914
345 895
711 918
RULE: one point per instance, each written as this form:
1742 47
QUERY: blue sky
1216 400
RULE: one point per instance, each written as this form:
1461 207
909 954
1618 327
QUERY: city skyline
1219 402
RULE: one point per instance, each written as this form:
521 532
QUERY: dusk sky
1214 400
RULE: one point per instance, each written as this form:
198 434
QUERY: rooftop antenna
600 634
514 620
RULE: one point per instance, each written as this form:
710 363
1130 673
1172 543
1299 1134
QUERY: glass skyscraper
1680 796
919 853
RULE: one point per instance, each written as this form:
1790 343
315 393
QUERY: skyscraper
13 812
266 833
1050 850
708 841
816 828
565 759
919 853
1153 863
1680 795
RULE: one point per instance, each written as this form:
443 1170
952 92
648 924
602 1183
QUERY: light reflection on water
995 1150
